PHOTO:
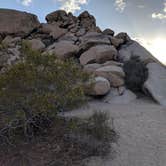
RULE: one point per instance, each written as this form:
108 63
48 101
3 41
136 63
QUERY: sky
143 20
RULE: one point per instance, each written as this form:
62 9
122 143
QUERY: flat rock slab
135 49
141 126
156 83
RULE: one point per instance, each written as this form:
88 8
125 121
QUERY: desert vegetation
32 92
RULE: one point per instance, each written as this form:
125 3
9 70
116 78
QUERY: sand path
142 129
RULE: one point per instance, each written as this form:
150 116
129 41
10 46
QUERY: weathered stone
10 41
36 44
93 38
114 63
53 30
59 15
156 82
17 23
116 41
112 69
123 36
91 68
114 74
69 37
108 32
81 32
63 49
87 21
99 87
98 54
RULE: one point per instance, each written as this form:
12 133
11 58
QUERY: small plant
34 90
136 73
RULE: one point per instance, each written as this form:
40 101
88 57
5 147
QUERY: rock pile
100 53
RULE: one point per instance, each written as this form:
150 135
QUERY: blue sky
144 20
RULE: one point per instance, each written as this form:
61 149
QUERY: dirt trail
142 129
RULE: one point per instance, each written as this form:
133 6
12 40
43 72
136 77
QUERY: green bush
36 89
136 73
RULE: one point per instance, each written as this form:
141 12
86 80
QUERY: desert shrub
93 135
68 142
34 90
136 73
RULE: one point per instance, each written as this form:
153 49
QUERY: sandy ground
142 129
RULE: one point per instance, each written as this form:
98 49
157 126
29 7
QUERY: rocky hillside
101 53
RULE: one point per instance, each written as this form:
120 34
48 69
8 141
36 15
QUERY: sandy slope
142 129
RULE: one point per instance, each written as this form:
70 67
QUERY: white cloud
160 16
120 5
72 5
141 6
26 2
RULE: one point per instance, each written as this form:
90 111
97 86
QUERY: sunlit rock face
100 53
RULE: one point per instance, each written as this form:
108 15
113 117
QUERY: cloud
141 6
160 16
120 5
26 2
72 5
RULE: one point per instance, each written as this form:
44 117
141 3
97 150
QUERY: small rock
99 87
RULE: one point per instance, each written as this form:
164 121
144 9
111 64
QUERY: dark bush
136 73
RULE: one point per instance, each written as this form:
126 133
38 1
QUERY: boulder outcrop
102 54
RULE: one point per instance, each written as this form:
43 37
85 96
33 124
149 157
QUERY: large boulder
53 30
98 87
36 44
93 38
156 82
63 49
13 22
56 16
98 54
134 49
114 74
63 19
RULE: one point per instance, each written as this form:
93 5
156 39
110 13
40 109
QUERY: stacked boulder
100 53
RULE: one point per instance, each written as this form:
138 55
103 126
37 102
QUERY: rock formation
101 53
